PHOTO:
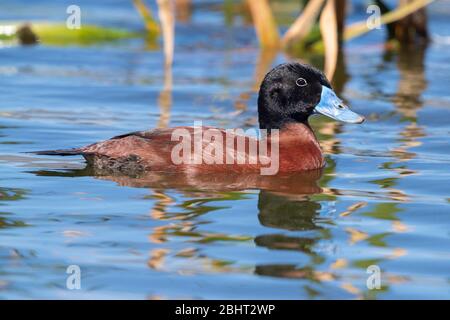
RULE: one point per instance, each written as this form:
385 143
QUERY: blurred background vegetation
311 26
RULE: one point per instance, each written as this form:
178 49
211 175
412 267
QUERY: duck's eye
301 82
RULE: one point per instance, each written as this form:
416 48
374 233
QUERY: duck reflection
287 212
298 213
299 183
293 209
284 203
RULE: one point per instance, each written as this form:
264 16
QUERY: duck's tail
60 152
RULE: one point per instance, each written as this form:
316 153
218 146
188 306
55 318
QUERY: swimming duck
289 94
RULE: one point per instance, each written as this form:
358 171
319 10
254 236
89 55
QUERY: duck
289 95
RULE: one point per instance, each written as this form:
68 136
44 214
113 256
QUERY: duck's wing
89 148
153 150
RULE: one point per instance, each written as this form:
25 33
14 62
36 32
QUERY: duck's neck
299 148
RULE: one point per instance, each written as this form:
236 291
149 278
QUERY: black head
291 92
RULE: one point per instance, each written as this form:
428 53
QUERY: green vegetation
88 34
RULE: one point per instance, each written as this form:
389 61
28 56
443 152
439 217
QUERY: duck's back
163 150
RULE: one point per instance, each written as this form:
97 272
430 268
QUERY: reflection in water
293 219
204 193
293 213
292 183
408 98
287 212
262 66
165 98
341 76
183 10
7 195
412 84
283 203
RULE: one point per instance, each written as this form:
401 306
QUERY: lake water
383 199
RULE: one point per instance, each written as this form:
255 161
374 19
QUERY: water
382 200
